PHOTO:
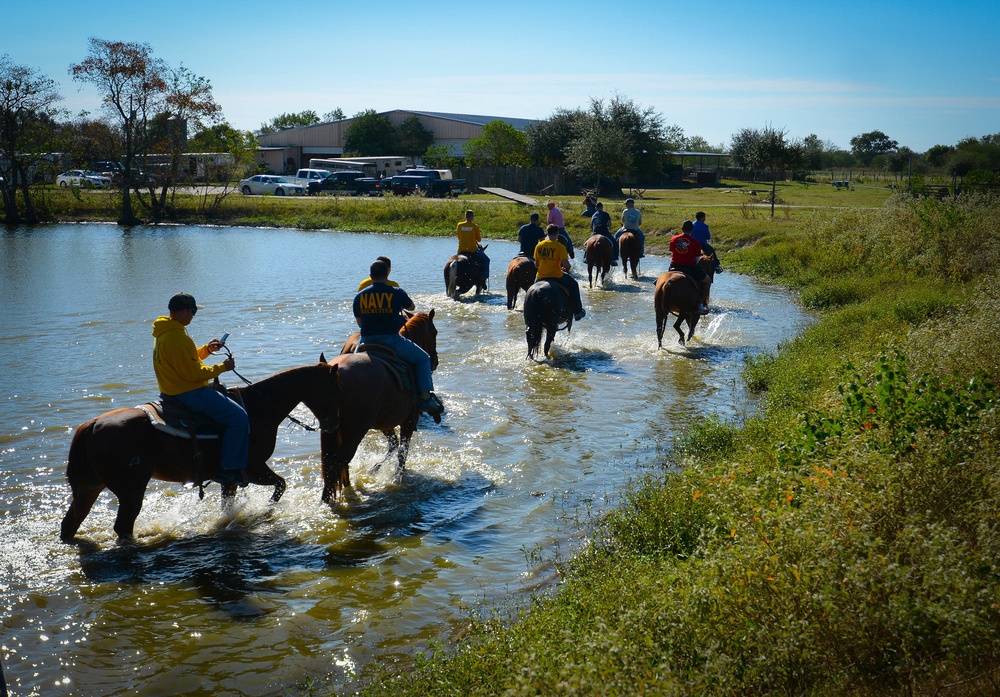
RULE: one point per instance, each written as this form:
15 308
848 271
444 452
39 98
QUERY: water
263 600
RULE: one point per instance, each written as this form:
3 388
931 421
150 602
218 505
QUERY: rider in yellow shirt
552 260
469 238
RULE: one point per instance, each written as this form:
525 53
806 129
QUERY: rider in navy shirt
529 235
378 312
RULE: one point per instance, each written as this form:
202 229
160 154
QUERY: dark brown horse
679 294
371 398
598 253
121 451
520 276
461 273
546 306
629 249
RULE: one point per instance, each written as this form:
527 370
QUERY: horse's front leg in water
228 498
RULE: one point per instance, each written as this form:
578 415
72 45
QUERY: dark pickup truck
429 182
352 182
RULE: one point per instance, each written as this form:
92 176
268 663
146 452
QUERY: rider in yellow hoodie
181 375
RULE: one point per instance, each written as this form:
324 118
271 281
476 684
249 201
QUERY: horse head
420 330
329 418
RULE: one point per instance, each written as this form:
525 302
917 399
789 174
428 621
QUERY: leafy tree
188 103
868 145
765 149
27 110
286 121
371 133
699 144
601 150
240 146
440 156
500 144
549 140
87 140
649 138
335 115
812 152
414 139
936 155
132 84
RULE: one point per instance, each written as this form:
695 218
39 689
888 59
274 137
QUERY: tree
132 84
600 150
414 139
188 103
335 115
868 145
764 149
286 121
699 144
548 140
27 112
240 146
936 155
370 133
500 144
649 139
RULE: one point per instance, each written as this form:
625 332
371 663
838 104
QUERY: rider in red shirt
684 254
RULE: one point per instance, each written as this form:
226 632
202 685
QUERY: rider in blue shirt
701 233
378 312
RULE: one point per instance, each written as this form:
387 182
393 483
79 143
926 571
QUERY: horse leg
337 455
272 478
129 506
550 334
677 325
692 323
661 323
81 501
406 431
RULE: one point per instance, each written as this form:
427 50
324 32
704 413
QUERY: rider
599 223
552 261
377 310
181 375
555 217
631 220
703 235
368 281
529 235
469 238
684 253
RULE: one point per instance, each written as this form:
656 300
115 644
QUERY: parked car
270 184
83 179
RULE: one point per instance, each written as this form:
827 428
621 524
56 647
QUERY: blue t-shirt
600 222
378 307
528 236
700 232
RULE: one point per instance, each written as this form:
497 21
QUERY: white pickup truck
304 176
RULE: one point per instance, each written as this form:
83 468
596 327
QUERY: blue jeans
409 352
484 263
230 415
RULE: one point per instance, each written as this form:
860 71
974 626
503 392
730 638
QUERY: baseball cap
182 301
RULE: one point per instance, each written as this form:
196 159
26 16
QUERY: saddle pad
397 367
154 411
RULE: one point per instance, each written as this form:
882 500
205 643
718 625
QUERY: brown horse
371 398
629 250
122 451
679 294
461 273
597 254
520 276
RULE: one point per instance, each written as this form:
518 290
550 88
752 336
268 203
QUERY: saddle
400 370
170 416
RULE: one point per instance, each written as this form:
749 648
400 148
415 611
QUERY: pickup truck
429 182
349 181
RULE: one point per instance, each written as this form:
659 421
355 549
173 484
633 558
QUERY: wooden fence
533 181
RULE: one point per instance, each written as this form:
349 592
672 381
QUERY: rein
250 384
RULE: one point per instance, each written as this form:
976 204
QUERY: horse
462 272
520 276
629 250
679 294
598 253
370 397
546 306
121 450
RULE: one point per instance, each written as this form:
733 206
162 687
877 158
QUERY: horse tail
533 324
78 469
452 279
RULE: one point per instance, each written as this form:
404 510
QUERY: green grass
842 540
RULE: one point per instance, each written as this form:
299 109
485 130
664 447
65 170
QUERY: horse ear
407 314
431 313
322 357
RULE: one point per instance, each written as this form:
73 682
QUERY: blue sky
923 72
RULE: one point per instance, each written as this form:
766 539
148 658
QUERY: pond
261 600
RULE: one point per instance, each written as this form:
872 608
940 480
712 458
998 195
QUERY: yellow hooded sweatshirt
176 361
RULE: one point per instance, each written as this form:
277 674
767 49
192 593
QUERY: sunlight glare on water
260 600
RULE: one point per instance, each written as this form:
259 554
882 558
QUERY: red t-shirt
684 249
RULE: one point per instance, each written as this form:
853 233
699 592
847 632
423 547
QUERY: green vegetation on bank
844 539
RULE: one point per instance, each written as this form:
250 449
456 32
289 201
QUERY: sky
924 73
